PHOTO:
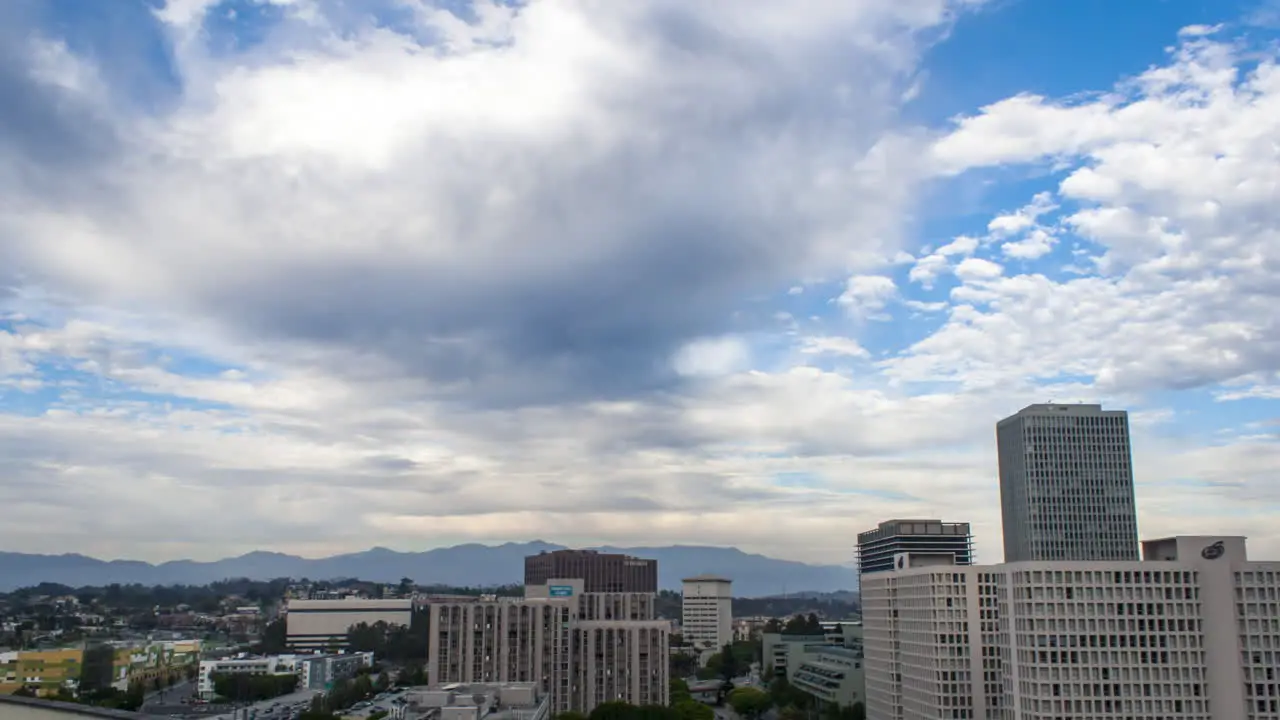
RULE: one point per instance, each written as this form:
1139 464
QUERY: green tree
729 666
690 709
97 668
412 675
749 702
614 710
679 691
274 638
791 712
655 712
783 694
406 587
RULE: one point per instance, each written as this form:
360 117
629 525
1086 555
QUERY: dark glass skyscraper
599 572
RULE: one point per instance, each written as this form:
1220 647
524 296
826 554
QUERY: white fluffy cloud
491 279
1174 182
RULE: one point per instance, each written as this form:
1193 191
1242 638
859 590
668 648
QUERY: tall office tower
1191 632
706 611
600 572
581 648
1066 484
877 548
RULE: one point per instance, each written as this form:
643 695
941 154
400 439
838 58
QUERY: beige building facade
320 625
706 612
1191 632
582 649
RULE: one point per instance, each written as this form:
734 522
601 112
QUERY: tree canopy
749 702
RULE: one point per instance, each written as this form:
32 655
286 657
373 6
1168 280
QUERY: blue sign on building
561 590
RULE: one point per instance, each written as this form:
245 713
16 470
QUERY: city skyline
284 276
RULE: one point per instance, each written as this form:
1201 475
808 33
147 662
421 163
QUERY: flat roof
707 578
52 707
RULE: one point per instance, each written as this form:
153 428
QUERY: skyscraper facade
1066 484
878 547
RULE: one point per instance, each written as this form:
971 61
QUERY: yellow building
48 670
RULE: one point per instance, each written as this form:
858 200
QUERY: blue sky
332 274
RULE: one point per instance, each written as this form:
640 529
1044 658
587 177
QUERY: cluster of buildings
585 632
46 671
1080 620
827 665
315 671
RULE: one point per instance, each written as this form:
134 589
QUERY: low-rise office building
315 672
1191 632
829 667
322 625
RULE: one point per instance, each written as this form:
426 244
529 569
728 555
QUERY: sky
314 276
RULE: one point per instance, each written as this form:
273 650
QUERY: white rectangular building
1066 484
706 612
320 625
1192 632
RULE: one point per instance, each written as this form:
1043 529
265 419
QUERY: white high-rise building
706 611
1066 484
1191 632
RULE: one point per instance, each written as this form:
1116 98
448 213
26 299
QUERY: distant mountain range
462 565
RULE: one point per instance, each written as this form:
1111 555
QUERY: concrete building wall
706 611
551 637
620 660
1191 633
317 625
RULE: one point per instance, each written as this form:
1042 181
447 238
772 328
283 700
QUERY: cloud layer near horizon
605 273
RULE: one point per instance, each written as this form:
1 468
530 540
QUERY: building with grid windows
599 572
706 612
1066 484
1191 632
877 548
580 648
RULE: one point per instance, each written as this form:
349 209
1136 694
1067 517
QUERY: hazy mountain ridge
461 565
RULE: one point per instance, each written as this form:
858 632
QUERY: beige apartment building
1191 632
582 649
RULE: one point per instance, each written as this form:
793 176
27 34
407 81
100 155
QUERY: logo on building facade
902 562
560 591
1214 551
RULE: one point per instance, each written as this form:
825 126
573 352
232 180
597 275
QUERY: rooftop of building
512 700
24 708
913 527
349 602
1058 409
707 578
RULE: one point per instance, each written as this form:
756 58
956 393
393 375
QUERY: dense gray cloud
551 218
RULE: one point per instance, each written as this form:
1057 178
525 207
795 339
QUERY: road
300 697
170 695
